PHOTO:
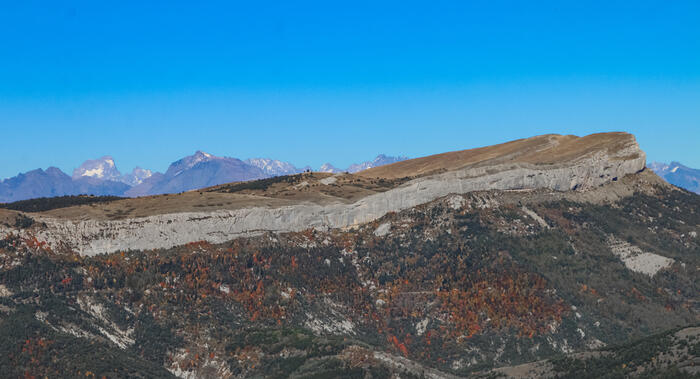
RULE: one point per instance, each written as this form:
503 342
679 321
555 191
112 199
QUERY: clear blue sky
310 82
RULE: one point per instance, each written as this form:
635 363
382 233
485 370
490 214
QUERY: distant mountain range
678 175
101 176
54 182
380 160
105 169
197 171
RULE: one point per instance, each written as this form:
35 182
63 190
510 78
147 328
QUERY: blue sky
311 82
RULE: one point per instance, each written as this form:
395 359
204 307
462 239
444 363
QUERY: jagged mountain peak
190 161
273 167
678 174
380 160
54 171
137 176
197 171
327 167
101 168
203 155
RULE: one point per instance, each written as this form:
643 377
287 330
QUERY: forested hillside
458 286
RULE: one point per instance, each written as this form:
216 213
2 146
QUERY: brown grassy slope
193 201
346 188
8 217
544 149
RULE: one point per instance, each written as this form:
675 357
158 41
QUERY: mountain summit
198 171
54 182
380 160
678 175
102 168
137 176
273 167
105 169
188 162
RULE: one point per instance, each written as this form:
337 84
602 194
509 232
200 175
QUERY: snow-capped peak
137 176
200 156
188 162
273 167
327 167
102 168
380 160
678 175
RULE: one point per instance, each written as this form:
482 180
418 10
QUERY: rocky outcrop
163 231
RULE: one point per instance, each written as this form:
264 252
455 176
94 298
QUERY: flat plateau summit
321 200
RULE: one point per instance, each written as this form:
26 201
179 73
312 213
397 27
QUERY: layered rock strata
91 237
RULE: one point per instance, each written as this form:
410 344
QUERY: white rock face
536 217
164 231
333 321
107 328
382 229
456 202
637 260
421 326
4 292
329 180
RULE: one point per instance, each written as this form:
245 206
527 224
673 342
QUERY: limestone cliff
590 169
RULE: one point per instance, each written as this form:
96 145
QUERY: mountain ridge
678 175
100 177
54 182
522 164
